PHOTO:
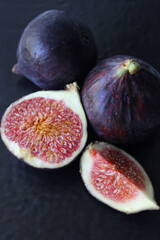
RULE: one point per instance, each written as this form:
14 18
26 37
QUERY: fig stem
134 66
16 70
131 65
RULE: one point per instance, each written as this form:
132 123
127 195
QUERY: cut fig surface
46 129
117 179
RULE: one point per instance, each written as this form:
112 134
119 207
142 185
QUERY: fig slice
47 129
116 179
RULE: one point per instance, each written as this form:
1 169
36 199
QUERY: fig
55 49
47 129
121 99
116 179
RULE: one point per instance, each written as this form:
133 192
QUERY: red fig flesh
47 129
117 179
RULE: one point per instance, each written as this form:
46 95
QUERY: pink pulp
115 176
47 127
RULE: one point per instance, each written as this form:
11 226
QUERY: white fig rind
144 199
72 100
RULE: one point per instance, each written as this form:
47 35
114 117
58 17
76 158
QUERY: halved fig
116 179
47 129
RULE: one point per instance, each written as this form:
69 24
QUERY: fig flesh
55 49
47 129
116 179
121 99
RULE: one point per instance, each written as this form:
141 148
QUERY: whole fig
121 97
55 49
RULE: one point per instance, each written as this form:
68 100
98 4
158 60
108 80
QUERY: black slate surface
44 205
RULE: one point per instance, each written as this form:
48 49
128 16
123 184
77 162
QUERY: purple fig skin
55 49
122 107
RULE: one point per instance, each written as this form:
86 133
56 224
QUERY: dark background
38 205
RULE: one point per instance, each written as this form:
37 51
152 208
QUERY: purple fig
121 99
55 49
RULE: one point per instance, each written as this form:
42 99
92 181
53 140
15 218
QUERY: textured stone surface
40 205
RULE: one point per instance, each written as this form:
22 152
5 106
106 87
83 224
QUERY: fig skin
121 99
55 49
